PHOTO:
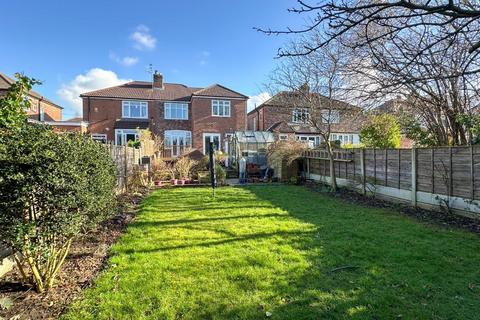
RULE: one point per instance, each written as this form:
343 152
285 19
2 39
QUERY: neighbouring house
290 121
185 117
41 108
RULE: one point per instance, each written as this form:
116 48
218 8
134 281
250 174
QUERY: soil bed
86 258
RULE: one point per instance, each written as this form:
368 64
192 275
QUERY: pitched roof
284 98
170 91
217 90
6 82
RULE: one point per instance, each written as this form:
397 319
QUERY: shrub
184 167
160 170
53 187
381 131
14 105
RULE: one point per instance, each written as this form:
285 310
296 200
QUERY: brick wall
204 122
103 113
52 113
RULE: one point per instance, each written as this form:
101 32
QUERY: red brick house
185 117
41 109
287 120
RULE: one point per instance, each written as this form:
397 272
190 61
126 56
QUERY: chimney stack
157 80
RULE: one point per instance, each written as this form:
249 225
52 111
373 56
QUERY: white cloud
257 100
126 61
93 79
204 55
142 38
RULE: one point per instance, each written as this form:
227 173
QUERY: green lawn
275 249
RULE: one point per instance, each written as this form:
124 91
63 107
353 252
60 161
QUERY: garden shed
252 145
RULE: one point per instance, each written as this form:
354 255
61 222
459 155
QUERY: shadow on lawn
366 270
142 224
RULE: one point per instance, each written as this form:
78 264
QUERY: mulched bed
86 258
444 219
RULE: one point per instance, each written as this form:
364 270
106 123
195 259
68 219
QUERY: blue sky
75 46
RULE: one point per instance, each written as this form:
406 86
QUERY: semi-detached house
185 117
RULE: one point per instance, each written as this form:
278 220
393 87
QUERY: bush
53 187
160 170
381 131
184 167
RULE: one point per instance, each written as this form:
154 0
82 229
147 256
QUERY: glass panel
130 137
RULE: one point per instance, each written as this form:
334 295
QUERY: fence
125 159
443 176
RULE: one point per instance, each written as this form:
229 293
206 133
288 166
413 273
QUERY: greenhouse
252 145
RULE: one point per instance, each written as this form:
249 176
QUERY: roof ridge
221 86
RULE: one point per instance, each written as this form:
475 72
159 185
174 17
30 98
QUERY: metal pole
213 176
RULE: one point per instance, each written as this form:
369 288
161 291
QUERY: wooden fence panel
406 169
441 180
461 178
476 171
447 171
424 170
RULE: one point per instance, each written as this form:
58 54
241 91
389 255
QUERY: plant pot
174 181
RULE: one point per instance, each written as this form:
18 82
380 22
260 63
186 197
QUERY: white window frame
128 103
99 137
212 134
168 114
123 133
314 141
305 114
334 115
187 136
225 105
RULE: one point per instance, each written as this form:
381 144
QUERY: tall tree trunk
333 178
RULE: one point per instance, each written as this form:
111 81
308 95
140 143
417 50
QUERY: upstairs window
300 116
176 111
220 108
330 116
135 109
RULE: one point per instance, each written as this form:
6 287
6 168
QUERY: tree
381 131
383 21
431 84
14 104
53 187
313 86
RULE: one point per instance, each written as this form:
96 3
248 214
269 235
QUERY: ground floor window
122 136
345 138
283 137
100 137
178 141
211 137
313 141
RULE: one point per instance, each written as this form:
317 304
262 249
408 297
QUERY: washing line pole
213 176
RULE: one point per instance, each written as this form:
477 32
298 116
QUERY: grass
283 250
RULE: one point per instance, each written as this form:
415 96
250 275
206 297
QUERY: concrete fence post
414 176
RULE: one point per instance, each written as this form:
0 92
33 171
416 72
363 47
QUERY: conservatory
252 145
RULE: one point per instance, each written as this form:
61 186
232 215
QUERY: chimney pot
157 80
